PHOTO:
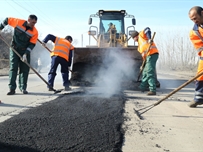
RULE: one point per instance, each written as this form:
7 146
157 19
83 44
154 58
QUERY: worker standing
61 54
149 72
196 36
23 41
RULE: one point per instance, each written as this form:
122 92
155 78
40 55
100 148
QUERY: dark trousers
198 91
15 65
55 61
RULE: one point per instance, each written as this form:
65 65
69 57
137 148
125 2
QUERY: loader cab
107 17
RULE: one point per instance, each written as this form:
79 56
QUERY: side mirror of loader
90 21
133 21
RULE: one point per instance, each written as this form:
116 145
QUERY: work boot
11 92
194 104
67 88
151 93
24 91
158 84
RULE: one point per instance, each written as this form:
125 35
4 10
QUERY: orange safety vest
197 39
143 45
62 48
18 24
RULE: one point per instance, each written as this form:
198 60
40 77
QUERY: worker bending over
149 72
61 54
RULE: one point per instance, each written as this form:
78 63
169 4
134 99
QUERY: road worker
23 41
61 54
149 72
196 36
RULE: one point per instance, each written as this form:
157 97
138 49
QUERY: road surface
89 121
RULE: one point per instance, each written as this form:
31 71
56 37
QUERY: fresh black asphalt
71 123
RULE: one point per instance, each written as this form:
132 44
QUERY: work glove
24 58
44 44
150 41
144 55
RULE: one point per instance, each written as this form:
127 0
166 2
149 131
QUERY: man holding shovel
150 55
196 36
23 41
61 54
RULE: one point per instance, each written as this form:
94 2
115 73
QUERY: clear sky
70 17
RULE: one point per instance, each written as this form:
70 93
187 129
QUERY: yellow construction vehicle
110 35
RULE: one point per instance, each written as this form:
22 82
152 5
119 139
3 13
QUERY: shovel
55 91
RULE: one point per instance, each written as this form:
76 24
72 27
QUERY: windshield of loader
108 23
106 20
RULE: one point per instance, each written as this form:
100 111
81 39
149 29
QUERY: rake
141 111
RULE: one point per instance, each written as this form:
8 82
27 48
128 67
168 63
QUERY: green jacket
24 37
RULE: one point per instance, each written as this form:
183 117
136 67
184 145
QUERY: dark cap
69 38
110 23
134 34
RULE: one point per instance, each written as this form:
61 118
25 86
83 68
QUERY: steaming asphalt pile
70 123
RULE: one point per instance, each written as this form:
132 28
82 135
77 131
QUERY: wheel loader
110 36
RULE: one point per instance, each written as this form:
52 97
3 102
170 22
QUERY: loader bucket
93 62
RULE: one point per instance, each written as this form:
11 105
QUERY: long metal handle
45 46
171 93
180 87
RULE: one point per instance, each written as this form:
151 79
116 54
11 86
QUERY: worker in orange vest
61 54
196 36
149 72
24 39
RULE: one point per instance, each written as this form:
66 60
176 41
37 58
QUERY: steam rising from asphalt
43 54
118 66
